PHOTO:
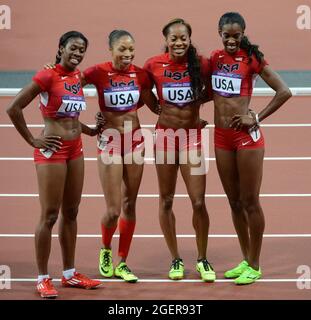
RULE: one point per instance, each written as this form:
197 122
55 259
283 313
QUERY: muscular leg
250 165
228 171
167 176
70 206
132 175
196 185
111 179
51 182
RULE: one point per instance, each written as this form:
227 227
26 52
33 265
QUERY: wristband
257 118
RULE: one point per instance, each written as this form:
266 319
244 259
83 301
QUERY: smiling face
177 41
123 52
231 35
72 53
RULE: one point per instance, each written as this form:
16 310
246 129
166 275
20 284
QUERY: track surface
285 189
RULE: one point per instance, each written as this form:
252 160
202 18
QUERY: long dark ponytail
64 40
235 17
194 63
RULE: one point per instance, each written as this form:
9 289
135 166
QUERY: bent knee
166 202
198 205
49 216
236 205
113 213
70 214
129 205
251 203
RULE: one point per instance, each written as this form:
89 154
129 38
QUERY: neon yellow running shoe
249 276
122 271
105 263
177 270
237 271
206 271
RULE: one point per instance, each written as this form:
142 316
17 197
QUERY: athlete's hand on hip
48 142
239 121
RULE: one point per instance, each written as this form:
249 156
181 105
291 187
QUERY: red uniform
173 86
118 90
61 97
168 139
172 79
235 76
113 142
62 94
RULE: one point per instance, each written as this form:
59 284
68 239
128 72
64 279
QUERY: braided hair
194 63
116 35
64 40
235 17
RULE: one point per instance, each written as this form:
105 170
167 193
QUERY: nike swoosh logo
110 73
166 64
197 143
245 143
64 77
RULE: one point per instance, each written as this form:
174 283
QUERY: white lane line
154 236
267 125
264 195
153 159
296 280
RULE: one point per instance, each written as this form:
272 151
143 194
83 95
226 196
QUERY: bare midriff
122 121
185 117
66 128
226 108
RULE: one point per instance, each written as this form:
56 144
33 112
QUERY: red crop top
234 75
62 94
172 79
118 90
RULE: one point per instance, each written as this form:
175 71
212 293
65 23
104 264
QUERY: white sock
69 273
41 277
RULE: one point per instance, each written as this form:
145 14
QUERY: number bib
227 84
121 98
255 134
71 106
47 152
177 93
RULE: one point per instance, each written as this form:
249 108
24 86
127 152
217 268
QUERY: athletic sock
126 229
41 277
69 273
107 234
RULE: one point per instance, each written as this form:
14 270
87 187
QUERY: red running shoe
46 289
79 280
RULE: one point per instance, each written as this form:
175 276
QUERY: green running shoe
206 271
237 271
123 271
105 263
177 270
249 276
